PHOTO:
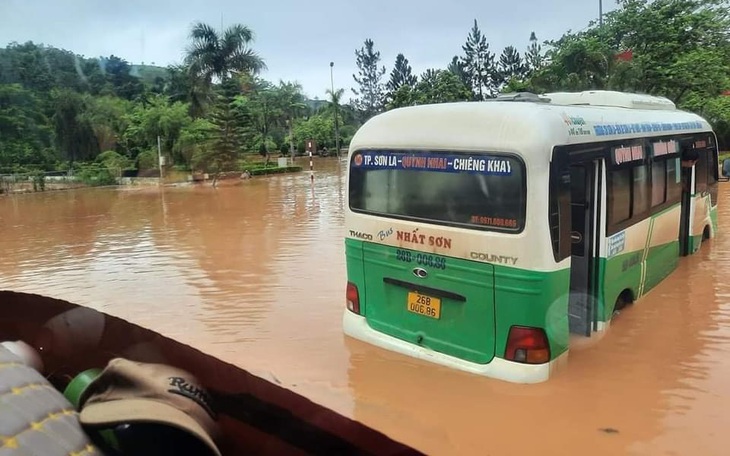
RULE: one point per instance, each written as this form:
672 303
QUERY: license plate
425 305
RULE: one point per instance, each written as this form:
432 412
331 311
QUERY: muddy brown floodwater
254 275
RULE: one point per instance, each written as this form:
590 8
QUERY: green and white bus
480 235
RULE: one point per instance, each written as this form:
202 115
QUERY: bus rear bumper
357 327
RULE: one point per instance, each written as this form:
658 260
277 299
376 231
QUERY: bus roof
610 98
526 124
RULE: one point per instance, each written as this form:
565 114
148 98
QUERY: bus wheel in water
623 300
706 233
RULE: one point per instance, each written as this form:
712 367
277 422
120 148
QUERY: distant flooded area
254 275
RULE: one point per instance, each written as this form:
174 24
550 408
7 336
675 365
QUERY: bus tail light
353 298
527 345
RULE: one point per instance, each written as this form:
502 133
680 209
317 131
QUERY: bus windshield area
474 191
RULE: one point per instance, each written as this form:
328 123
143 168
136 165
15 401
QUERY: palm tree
292 102
335 98
213 57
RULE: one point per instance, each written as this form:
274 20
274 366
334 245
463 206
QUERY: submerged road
254 275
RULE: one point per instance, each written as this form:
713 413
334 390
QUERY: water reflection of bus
480 235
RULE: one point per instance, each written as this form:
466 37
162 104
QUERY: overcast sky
297 39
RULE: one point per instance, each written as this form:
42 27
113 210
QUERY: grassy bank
96 175
263 170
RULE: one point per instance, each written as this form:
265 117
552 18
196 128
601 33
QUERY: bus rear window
476 191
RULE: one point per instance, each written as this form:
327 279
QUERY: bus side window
658 183
712 170
674 180
701 173
619 196
641 193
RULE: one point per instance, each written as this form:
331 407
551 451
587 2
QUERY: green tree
220 56
534 59
93 77
113 162
334 105
194 143
292 103
25 64
400 75
41 68
434 86
221 152
404 96
673 48
160 118
679 46
518 85
261 110
458 67
576 63
716 110
318 127
440 86
478 63
510 66
25 135
74 135
370 95
213 56
107 117
118 74
178 85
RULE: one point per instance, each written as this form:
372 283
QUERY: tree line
209 112
213 110
679 49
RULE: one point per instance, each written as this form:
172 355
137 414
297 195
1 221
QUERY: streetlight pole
289 125
337 127
600 13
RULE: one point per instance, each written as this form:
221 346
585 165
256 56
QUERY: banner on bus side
616 244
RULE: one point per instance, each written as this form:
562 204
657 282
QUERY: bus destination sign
479 164
665 147
627 154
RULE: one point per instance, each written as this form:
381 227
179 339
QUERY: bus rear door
583 204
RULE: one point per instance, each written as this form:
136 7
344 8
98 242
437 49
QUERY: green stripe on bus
521 297
624 272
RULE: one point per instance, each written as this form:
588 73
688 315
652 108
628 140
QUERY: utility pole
335 108
600 13
159 155
289 123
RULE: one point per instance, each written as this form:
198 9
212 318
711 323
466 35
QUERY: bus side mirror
726 168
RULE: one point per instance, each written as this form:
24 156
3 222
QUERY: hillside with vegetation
215 112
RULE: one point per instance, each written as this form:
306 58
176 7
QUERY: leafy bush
114 162
95 174
270 170
112 159
39 181
147 159
259 166
259 145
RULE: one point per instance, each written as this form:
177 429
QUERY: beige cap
127 392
